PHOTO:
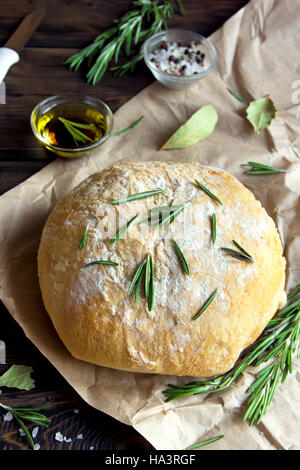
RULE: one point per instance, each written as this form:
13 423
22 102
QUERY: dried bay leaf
18 376
199 126
260 113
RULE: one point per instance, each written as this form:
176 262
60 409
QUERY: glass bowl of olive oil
71 126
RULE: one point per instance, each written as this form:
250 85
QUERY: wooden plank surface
68 26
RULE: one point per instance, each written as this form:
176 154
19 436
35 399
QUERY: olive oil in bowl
72 128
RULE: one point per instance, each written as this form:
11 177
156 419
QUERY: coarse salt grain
8 416
34 431
2 352
59 437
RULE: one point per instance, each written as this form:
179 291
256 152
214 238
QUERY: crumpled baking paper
258 55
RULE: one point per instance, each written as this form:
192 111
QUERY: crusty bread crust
90 307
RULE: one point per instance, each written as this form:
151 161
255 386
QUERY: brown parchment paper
258 54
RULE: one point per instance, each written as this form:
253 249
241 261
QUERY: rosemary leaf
238 97
261 169
82 244
134 124
169 217
208 192
205 443
134 197
207 303
123 229
181 257
92 263
237 254
147 275
151 290
138 284
242 249
213 227
136 276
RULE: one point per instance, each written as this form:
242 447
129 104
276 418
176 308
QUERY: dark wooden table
68 26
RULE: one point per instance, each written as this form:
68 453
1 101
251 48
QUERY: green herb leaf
28 414
237 254
278 342
138 283
197 128
181 258
238 97
242 255
207 303
213 227
134 197
123 229
205 443
260 169
144 19
82 244
136 276
147 276
18 376
210 194
260 113
242 249
134 124
78 136
100 261
151 290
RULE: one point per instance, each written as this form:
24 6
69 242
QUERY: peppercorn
164 46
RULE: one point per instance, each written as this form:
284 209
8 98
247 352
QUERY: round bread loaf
192 318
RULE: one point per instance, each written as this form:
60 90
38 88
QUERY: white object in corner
8 57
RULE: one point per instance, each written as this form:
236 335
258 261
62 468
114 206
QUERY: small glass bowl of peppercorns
179 58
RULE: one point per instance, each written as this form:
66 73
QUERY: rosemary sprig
278 343
213 227
242 255
260 169
145 18
145 268
78 136
28 414
100 261
134 197
123 229
210 194
206 442
181 258
134 124
82 244
206 304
